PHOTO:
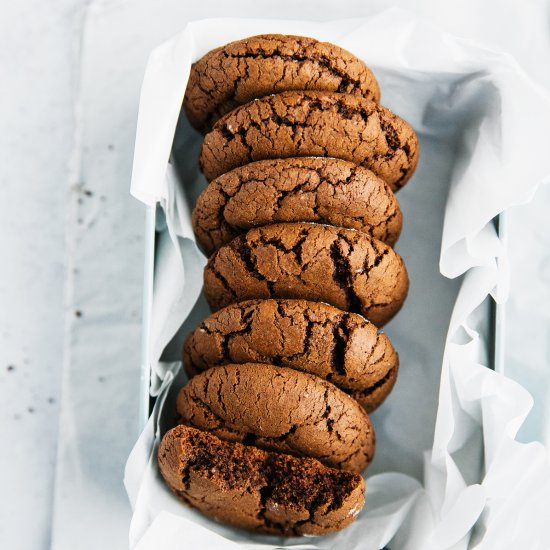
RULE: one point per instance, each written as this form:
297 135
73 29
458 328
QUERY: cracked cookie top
306 189
306 124
260 65
255 489
343 267
279 409
341 347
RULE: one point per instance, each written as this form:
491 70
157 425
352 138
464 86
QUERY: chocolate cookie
342 267
255 489
307 189
305 124
279 409
260 65
313 337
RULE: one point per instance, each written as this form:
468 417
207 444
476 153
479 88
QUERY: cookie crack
340 333
324 62
207 410
224 282
244 251
391 135
378 384
380 257
295 249
227 338
342 273
308 334
306 186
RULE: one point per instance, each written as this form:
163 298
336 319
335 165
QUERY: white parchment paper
448 473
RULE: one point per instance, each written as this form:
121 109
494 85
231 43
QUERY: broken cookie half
256 489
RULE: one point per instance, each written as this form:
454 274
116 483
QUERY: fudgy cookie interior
255 489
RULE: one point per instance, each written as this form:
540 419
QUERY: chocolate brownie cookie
257 490
307 189
305 124
260 65
342 267
279 409
313 337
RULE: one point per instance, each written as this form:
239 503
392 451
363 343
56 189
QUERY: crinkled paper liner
483 128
